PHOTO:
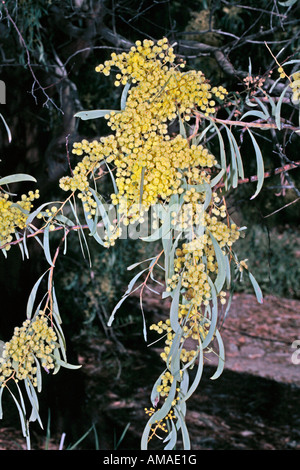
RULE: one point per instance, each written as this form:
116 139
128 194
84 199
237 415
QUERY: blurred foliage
51 28
58 36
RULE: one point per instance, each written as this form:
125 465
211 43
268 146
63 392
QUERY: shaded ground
253 405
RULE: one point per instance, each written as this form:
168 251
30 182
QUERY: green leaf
112 178
36 212
222 152
163 230
184 431
46 245
174 308
102 210
32 396
142 184
260 165
217 178
182 130
200 136
94 114
124 297
221 362
132 266
159 414
124 95
1 409
256 288
65 364
16 178
21 410
154 393
222 271
259 114
289 3
93 228
7 129
171 438
278 108
32 296
213 315
38 374
198 375
80 232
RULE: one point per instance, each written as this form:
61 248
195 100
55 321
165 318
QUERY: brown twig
259 125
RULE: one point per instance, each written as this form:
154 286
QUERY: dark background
48 54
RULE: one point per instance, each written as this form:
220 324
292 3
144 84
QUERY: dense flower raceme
34 341
13 215
152 165
141 148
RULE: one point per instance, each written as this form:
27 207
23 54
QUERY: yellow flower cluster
189 264
150 164
294 80
34 341
13 215
295 86
194 329
161 424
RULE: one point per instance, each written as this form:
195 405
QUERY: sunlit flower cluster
13 215
195 265
161 425
32 344
150 163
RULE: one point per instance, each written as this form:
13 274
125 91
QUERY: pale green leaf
32 296
260 165
16 178
222 152
184 431
124 297
278 108
198 375
221 356
288 3
1 409
124 95
142 184
171 438
256 288
174 308
32 396
21 410
7 129
66 364
217 178
222 271
46 245
94 114
213 314
158 415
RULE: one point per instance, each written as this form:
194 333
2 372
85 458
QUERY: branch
259 125
36 81
268 174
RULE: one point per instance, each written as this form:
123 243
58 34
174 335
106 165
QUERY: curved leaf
221 362
94 114
260 165
7 129
256 288
16 178
32 296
